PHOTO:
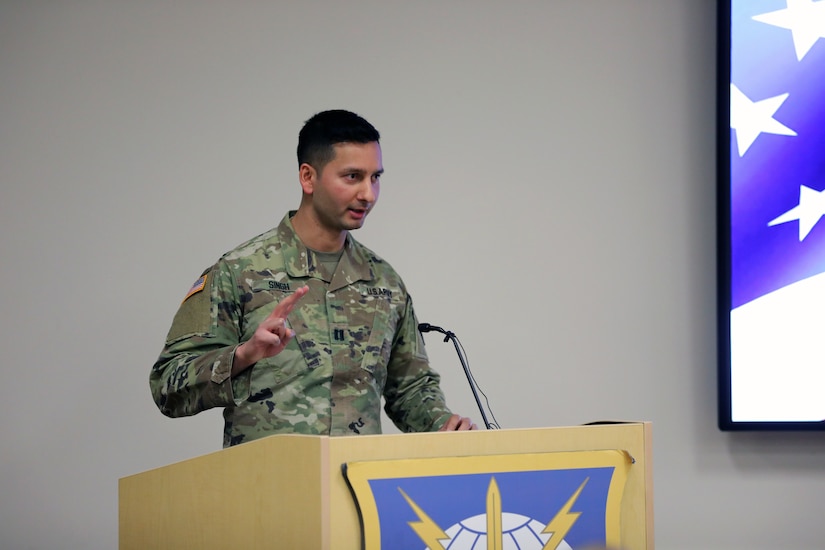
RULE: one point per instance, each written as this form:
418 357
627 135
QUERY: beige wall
549 197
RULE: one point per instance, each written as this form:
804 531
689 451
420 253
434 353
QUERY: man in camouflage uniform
303 329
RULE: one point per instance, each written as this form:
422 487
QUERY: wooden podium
288 491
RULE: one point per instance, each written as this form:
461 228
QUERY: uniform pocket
276 372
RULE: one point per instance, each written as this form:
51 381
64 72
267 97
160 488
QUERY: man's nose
366 192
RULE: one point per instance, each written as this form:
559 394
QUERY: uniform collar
355 264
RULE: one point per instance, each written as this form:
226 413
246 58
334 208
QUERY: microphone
448 335
427 327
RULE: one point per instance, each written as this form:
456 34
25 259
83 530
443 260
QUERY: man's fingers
465 424
458 423
270 336
277 327
446 426
286 305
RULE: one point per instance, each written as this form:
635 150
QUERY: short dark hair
328 128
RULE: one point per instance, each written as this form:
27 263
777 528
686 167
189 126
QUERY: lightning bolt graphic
427 530
563 521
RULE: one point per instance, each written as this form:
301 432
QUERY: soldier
303 329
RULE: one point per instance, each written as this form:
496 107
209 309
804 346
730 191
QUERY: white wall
549 197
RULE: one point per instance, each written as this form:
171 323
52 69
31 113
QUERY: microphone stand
450 336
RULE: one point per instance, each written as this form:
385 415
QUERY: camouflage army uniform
356 339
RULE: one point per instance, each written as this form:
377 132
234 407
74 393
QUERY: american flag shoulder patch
199 285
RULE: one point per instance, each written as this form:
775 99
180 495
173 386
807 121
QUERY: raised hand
271 336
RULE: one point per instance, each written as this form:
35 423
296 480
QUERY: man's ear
307 177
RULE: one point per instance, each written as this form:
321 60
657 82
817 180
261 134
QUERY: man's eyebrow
353 170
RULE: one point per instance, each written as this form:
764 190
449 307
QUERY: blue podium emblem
562 501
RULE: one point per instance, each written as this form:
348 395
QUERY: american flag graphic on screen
777 198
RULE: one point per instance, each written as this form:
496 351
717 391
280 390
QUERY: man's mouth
358 213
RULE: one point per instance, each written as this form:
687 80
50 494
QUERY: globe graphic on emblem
517 533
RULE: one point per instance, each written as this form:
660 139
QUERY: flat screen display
771 202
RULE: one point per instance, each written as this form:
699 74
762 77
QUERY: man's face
347 187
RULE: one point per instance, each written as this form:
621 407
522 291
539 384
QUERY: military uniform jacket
356 340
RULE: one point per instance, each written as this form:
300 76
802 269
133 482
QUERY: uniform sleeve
413 397
193 371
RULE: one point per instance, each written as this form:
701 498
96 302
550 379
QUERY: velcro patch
199 285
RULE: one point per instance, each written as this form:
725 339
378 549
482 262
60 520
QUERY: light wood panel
287 491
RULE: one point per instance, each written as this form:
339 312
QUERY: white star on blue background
809 211
751 118
804 18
